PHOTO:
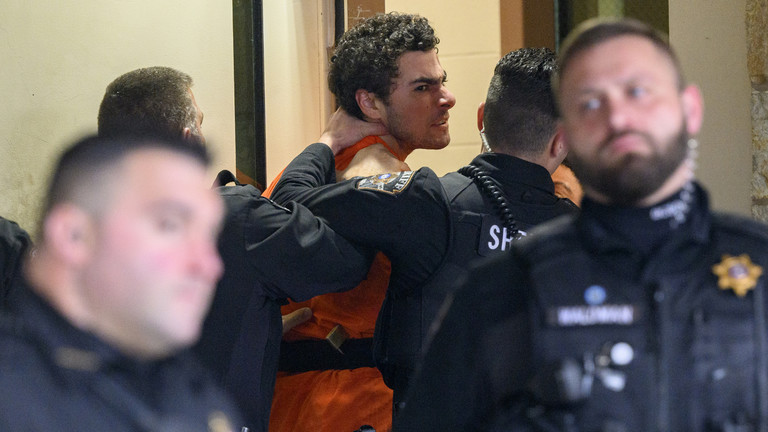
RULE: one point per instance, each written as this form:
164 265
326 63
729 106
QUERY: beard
403 129
633 177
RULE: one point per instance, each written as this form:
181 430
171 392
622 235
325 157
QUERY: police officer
266 248
429 226
645 313
116 290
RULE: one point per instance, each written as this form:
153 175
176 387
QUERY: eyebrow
171 206
431 81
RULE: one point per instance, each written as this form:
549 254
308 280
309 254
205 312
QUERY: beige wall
296 35
710 38
58 56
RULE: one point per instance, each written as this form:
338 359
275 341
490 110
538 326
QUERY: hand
344 130
299 316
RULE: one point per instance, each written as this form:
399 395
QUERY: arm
407 217
289 250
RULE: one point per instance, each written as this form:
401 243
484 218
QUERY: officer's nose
205 260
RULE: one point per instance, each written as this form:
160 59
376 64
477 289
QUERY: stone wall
757 65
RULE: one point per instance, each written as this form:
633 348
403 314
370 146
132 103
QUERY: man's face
155 264
417 112
624 120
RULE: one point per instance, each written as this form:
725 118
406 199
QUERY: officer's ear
556 151
69 233
370 104
693 108
480 115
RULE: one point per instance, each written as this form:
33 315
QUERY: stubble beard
397 127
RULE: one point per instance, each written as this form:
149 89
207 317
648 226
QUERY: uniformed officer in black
647 312
270 252
114 294
429 226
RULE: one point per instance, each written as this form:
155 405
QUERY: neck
401 149
56 285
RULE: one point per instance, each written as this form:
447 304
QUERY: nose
447 99
205 260
617 113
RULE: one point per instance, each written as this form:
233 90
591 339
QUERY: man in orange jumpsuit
384 70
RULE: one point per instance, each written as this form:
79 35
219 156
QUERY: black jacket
583 331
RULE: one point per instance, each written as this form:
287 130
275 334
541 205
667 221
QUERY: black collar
510 169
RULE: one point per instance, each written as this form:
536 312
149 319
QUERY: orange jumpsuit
567 185
337 400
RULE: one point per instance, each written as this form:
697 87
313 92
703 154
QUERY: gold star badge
737 273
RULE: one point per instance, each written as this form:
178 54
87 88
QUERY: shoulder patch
392 183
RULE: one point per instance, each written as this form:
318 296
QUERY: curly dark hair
366 55
520 112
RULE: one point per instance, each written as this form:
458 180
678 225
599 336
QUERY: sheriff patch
392 183
495 237
583 315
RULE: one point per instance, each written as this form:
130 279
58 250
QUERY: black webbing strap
309 355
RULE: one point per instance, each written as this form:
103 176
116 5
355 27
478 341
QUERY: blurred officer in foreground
645 313
117 289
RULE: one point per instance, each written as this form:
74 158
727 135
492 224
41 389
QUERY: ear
186 134
693 109
562 137
557 150
480 114
69 233
370 104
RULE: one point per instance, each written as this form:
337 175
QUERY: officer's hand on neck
344 130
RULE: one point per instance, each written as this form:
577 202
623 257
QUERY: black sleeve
450 390
14 242
290 251
406 215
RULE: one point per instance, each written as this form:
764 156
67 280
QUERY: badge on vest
392 183
737 273
495 237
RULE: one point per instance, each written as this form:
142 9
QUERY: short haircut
598 30
520 115
366 56
153 101
85 172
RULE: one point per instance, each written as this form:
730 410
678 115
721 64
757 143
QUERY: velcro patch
392 183
580 316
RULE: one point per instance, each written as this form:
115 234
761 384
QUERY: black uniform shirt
55 377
